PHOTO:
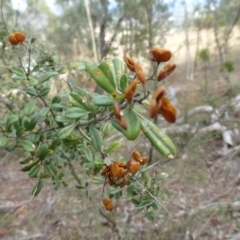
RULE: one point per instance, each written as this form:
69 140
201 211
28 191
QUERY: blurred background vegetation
202 191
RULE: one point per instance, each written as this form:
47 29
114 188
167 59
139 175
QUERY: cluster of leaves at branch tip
74 124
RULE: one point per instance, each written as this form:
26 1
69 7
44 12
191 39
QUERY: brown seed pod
118 115
133 166
159 55
130 63
168 111
142 160
19 36
130 91
136 155
139 73
156 102
12 39
166 71
107 204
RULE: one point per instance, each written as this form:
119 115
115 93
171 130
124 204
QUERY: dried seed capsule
130 63
168 111
133 166
130 91
156 102
159 55
139 73
12 39
107 204
19 36
136 155
142 160
166 71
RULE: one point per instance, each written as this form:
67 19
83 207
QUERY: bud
130 91
133 166
19 36
139 73
168 111
156 102
107 204
136 155
12 39
166 71
130 63
159 55
142 160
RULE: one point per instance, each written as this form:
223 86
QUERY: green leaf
30 107
102 75
150 216
33 81
123 83
103 100
155 205
135 201
47 76
26 145
57 107
56 99
88 154
149 183
33 121
3 141
133 124
31 91
44 111
80 66
47 170
55 143
158 139
20 131
75 113
44 91
115 192
29 166
18 71
38 187
98 180
96 138
65 132
34 171
113 147
10 120
43 151
139 109
118 67
162 176
107 128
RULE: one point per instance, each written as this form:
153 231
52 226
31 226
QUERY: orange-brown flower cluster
161 105
16 38
159 55
118 173
118 115
107 204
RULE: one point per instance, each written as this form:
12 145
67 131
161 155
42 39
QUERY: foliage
54 130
